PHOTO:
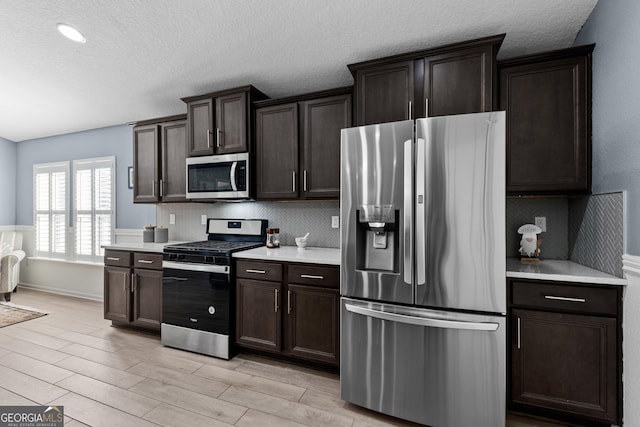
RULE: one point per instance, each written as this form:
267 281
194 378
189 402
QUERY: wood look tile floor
107 376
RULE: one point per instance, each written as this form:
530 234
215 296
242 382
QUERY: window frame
51 168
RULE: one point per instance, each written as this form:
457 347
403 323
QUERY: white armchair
11 254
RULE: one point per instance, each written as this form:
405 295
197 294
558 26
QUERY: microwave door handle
233 176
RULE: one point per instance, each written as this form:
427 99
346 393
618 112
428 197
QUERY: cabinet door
312 323
458 82
231 122
383 93
200 127
322 120
146 164
548 126
117 290
565 362
259 315
174 153
147 298
277 152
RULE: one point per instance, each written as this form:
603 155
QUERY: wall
616 155
293 218
114 140
8 153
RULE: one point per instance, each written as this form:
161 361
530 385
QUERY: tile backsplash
293 218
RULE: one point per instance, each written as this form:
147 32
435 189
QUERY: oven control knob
212 310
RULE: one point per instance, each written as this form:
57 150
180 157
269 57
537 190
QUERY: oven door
218 177
196 296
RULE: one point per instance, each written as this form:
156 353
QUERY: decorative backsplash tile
596 232
523 210
293 218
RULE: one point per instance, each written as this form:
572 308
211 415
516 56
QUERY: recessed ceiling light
71 33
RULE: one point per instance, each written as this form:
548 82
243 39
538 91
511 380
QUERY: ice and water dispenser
377 238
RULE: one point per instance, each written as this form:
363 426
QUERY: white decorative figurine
529 246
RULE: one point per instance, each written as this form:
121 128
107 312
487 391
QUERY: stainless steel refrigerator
423 269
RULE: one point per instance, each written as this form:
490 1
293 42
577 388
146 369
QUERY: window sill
66 261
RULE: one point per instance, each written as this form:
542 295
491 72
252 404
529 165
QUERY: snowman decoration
529 244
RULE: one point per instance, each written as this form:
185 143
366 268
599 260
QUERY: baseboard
631 265
64 292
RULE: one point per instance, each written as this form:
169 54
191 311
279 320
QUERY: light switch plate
541 221
172 219
203 219
335 221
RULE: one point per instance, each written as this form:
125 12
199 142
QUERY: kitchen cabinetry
547 98
220 122
453 79
565 350
298 145
289 309
159 155
133 288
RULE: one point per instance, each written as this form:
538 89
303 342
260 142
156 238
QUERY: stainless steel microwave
218 177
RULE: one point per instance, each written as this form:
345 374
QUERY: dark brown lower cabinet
133 296
299 320
565 360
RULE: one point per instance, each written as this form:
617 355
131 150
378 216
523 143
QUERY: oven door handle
224 269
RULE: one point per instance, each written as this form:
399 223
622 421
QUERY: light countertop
560 270
140 246
311 255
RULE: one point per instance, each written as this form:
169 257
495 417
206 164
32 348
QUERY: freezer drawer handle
310 276
255 271
551 297
422 321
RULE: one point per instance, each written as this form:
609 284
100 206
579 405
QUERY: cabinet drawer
563 296
305 274
259 270
147 260
117 258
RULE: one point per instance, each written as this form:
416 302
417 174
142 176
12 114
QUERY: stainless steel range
198 290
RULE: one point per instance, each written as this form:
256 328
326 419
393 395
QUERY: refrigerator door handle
421 202
407 238
422 321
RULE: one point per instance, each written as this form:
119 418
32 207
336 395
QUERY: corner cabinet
565 350
289 309
159 156
547 98
453 79
133 288
220 122
298 145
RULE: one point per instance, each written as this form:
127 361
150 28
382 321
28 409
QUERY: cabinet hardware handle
208 138
153 188
110 258
144 261
409 118
161 188
288 302
426 107
551 297
275 300
293 180
518 333
255 271
304 180
310 276
218 137
133 282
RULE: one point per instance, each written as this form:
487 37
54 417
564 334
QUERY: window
51 208
93 206
93 210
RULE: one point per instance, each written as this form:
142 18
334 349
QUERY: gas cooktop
218 246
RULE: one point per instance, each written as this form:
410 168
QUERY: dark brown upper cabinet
159 160
298 145
453 79
220 122
547 98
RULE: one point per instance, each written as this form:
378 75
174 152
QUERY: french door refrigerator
423 269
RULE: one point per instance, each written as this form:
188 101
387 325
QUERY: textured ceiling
142 56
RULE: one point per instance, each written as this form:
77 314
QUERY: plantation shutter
51 208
